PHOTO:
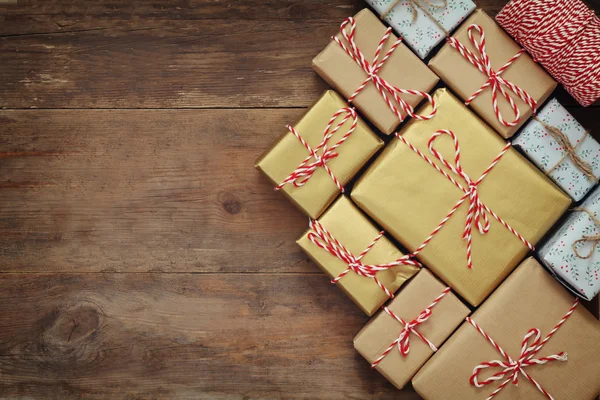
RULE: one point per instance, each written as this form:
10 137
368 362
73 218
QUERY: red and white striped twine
306 169
563 36
372 70
403 340
322 238
511 368
495 80
477 212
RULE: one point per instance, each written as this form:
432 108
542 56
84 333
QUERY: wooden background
141 255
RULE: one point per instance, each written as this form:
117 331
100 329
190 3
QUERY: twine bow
306 169
593 239
414 5
495 80
372 70
322 238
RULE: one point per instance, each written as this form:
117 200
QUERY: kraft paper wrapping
403 69
382 329
287 153
529 298
409 198
351 228
465 79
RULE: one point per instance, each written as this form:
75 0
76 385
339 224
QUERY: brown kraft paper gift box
465 79
403 69
352 229
382 330
529 298
409 198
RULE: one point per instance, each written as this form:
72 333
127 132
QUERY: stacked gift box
479 173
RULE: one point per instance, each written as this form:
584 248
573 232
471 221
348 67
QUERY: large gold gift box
529 298
465 79
409 198
403 69
354 231
286 154
382 330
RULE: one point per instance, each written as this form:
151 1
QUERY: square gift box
518 317
423 24
562 148
317 189
466 78
402 337
573 252
410 199
401 70
343 229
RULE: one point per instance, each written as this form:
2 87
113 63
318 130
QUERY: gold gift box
529 298
409 198
465 79
403 69
351 228
286 154
382 329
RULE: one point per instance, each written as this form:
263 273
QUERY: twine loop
593 239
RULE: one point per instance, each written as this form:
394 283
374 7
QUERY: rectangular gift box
410 303
410 198
465 79
355 232
423 24
574 169
573 252
530 298
402 69
286 154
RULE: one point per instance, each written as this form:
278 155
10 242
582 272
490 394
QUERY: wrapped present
315 158
529 340
371 67
562 148
402 337
471 220
573 252
423 24
356 255
488 70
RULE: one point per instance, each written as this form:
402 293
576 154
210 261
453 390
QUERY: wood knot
74 324
230 203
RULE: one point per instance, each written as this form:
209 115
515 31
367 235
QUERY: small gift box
454 193
488 70
573 252
402 337
316 157
529 340
384 84
423 24
562 148
351 251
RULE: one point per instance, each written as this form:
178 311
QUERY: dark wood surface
141 256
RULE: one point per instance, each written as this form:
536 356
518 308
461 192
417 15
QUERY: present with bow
529 340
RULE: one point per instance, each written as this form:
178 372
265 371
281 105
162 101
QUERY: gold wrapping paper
351 228
465 79
403 69
409 198
286 154
382 329
529 298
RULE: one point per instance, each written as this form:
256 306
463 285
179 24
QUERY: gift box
423 24
540 337
410 198
290 166
562 148
402 337
572 253
351 251
463 65
403 79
